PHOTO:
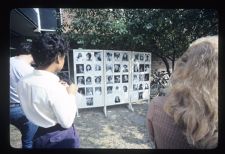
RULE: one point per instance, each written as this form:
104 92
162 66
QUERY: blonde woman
187 117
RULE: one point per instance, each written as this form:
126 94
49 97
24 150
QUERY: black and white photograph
136 68
89 91
147 57
116 78
140 95
141 77
141 86
135 87
136 57
79 57
80 68
109 56
97 67
98 56
135 78
116 67
109 89
80 80
141 68
98 79
125 57
146 67
81 91
125 89
88 68
116 56
109 79
88 56
141 57
109 68
146 77
125 68
117 99
98 90
88 80
117 89
89 101
124 78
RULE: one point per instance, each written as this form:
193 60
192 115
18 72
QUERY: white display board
110 77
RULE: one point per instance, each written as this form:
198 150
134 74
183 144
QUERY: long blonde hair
193 97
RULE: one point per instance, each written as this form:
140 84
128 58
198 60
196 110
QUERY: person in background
187 117
46 102
20 66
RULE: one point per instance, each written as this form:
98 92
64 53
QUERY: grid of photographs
117 76
140 76
88 73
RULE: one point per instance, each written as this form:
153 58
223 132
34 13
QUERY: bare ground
121 129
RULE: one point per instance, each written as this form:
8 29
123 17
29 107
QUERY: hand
64 83
72 89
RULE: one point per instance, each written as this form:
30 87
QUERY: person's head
24 48
88 67
193 97
48 49
88 55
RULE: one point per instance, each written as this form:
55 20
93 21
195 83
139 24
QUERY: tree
164 32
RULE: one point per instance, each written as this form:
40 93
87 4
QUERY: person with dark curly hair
45 100
187 117
20 66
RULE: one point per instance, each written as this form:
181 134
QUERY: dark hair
24 48
47 47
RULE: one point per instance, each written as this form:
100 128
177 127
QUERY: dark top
162 129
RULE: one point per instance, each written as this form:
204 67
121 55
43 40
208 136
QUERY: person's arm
64 105
150 115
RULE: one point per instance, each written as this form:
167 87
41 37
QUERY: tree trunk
167 65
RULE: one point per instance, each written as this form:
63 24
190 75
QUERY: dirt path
121 129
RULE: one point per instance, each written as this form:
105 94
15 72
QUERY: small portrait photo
140 95
109 89
89 91
125 68
146 67
80 80
125 89
97 67
109 79
109 56
147 57
98 56
98 90
136 57
146 86
116 56
141 67
125 57
109 68
116 67
88 57
98 79
141 86
141 77
141 57
117 89
79 57
88 68
136 68
116 78
146 77
89 101
135 77
80 68
117 99
81 91
88 80
135 87
124 78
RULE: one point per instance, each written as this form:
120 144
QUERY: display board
109 77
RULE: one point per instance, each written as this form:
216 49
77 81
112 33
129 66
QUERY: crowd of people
43 107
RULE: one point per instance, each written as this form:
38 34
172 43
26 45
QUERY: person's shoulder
158 101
